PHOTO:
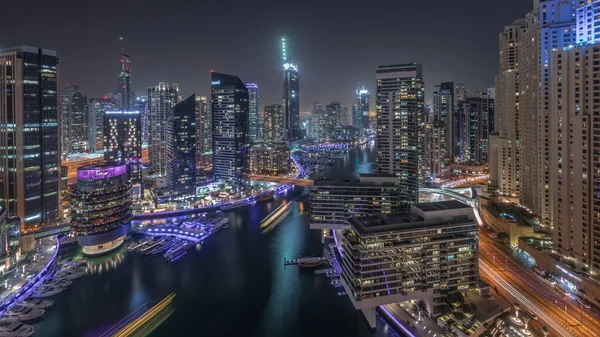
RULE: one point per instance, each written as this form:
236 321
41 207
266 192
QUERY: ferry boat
234 204
37 303
310 262
21 313
15 329
265 196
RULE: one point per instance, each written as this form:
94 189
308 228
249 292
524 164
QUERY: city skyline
318 48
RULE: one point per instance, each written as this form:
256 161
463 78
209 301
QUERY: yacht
69 274
310 262
63 283
234 204
152 244
15 329
265 196
37 303
165 246
222 223
21 313
138 244
47 291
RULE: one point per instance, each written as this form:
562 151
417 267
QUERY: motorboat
165 246
265 196
15 329
69 274
47 291
21 313
151 245
37 303
63 283
135 245
310 262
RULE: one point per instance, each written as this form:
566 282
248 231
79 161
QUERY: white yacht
47 291
15 329
37 303
21 313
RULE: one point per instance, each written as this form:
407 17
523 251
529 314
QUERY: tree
419 309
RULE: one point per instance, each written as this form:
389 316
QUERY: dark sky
338 44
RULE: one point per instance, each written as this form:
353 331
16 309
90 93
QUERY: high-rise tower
253 111
29 136
291 95
124 83
400 104
74 121
161 100
360 111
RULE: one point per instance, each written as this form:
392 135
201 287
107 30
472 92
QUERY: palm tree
419 309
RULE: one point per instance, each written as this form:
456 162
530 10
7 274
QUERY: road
559 312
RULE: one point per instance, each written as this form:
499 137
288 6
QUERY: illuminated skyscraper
360 111
291 95
444 108
181 149
253 111
203 131
29 133
74 120
273 123
124 83
161 100
141 105
230 124
400 107
96 109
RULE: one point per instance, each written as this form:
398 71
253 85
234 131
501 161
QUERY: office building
203 132
432 167
181 149
318 115
30 169
271 159
126 99
101 208
95 132
332 201
273 130
426 252
400 104
161 100
230 104
141 105
291 95
478 110
444 106
361 109
253 111
123 144
74 116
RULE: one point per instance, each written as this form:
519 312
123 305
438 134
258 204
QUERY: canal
235 284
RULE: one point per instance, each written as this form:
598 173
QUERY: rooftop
366 180
441 205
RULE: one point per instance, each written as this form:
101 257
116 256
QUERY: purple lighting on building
99 172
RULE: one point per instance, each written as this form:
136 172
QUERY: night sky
338 44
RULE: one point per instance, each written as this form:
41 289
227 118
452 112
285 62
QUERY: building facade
253 111
273 130
272 159
161 100
478 111
181 149
444 108
101 208
126 99
203 132
95 132
230 104
74 120
421 254
400 107
30 136
332 201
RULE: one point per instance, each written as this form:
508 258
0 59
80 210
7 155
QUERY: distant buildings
478 111
400 108
141 105
230 105
318 117
332 201
269 159
96 109
161 100
444 108
30 163
101 208
426 253
123 144
253 111
291 96
360 110
181 149
432 166
203 131
74 120
273 130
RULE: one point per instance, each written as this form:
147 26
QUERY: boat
341 293
165 246
234 204
37 303
174 254
63 283
265 196
222 223
46 291
310 262
135 245
320 167
21 314
151 245
15 329
69 274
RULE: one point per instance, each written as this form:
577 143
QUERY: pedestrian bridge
282 180
467 195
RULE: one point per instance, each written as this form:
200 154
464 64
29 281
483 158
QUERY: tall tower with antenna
291 94
124 80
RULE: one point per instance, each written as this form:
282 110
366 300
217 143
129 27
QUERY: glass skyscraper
124 83
253 111
29 136
74 121
360 111
229 125
161 100
291 95
181 148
